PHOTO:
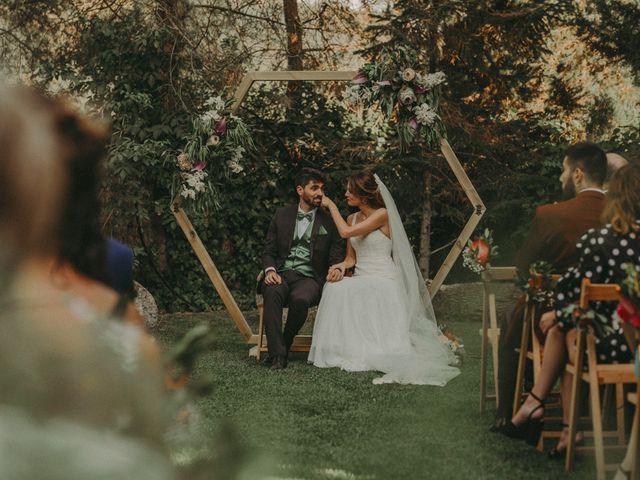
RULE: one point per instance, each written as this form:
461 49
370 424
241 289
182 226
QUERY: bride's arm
338 270
350 258
377 219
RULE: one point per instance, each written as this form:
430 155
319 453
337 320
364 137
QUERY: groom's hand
335 274
272 278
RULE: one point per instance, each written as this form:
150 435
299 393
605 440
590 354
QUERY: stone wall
463 301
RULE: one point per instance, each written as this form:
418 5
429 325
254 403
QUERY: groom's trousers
298 293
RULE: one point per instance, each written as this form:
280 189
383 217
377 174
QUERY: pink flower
221 126
384 83
482 249
413 123
359 79
198 167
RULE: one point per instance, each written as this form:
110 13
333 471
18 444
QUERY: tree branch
237 12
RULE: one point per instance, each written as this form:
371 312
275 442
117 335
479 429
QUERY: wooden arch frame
324 76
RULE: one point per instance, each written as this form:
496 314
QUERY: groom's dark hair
307 175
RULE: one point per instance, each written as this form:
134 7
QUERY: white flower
234 166
431 80
238 153
408 74
210 116
407 95
188 193
425 114
194 183
352 94
216 103
213 140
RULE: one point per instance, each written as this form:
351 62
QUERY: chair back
598 292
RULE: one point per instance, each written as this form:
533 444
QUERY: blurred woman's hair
364 186
32 177
82 242
622 204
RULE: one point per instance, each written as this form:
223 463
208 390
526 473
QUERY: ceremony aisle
309 423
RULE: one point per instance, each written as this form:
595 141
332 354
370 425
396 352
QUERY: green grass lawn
311 423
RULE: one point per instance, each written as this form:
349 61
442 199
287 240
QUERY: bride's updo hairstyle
364 186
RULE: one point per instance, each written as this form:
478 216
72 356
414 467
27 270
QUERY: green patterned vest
299 258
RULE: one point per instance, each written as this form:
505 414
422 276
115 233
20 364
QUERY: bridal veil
430 360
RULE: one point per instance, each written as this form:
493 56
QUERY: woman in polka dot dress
602 252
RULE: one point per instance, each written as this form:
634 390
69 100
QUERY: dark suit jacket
556 228
326 249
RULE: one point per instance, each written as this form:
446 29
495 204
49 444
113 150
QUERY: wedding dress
381 318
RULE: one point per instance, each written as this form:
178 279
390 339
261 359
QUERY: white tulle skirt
362 324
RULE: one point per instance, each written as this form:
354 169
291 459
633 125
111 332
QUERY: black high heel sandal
530 430
558 453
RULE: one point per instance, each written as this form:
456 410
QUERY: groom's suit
302 278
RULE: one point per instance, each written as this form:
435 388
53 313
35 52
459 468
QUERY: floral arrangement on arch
406 95
217 143
479 252
629 307
537 283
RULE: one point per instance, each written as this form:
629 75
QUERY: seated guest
81 266
614 163
551 238
603 253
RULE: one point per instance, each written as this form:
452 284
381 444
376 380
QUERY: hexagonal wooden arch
324 76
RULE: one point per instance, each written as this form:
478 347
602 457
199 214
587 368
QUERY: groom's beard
312 201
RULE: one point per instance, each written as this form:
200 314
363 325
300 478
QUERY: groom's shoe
279 362
267 361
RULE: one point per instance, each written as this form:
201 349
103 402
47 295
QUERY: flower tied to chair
628 309
537 283
588 317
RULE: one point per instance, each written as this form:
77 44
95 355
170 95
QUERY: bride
381 318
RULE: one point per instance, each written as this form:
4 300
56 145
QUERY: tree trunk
425 226
294 34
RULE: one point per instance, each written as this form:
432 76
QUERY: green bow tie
308 216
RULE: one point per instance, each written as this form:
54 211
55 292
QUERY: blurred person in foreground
80 396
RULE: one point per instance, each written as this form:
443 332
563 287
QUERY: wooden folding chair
534 355
596 375
490 332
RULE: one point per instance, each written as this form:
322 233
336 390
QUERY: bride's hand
326 201
336 273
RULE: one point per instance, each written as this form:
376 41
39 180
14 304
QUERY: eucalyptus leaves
406 97
217 144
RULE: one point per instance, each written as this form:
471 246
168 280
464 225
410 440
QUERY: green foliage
150 71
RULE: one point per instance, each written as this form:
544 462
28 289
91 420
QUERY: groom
302 242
